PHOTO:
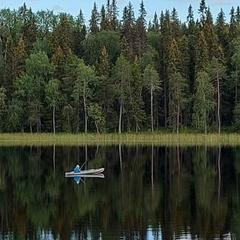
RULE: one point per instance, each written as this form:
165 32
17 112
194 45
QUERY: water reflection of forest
157 191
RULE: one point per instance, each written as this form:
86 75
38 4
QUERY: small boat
83 173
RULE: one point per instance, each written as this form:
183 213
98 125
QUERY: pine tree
79 34
210 36
135 107
155 23
222 31
94 21
202 56
140 32
103 19
165 40
128 38
103 94
62 35
202 11
30 30
177 86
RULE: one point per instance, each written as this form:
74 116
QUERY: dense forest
112 73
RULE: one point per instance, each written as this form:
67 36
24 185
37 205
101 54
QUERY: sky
73 6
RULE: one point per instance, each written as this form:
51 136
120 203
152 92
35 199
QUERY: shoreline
108 139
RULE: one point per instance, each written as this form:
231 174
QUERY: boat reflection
79 178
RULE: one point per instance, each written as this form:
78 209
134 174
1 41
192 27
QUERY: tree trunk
236 87
219 172
85 114
97 127
205 122
53 120
78 117
178 117
218 104
152 109
120 117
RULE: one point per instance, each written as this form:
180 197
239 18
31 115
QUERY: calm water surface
147 193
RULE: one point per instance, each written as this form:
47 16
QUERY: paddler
77 169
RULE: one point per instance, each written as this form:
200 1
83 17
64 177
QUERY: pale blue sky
152 6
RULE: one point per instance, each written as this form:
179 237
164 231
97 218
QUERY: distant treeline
114 74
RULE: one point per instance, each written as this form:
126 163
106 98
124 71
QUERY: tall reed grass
160 139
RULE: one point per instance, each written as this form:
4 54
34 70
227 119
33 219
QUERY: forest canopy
117 72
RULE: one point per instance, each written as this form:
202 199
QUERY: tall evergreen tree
140 32
94 21
30 30
210 36
62 35
166 39
202 56
103 19
222 31
155 23
202 11
128 38
104 94
135 107
235 61
79 34
233 26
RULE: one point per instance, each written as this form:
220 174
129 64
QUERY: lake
147 192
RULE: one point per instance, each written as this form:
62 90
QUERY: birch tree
152 84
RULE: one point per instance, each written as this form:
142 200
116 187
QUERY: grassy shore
160 139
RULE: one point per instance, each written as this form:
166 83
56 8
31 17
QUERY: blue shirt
77 169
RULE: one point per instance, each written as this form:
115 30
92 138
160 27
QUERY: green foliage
236 122
84 88
3 109
96 113
94 44
204 102
122 75
53 97
128 59
177 99
152 84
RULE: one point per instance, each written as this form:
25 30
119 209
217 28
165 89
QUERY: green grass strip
157 139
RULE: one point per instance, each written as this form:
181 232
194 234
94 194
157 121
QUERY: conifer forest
118 71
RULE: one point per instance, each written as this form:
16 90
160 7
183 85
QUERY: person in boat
77 169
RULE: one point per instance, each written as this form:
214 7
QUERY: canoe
84 172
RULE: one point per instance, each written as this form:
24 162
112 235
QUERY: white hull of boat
85 172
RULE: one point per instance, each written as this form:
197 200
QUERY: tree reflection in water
148 192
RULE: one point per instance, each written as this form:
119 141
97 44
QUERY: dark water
147 193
